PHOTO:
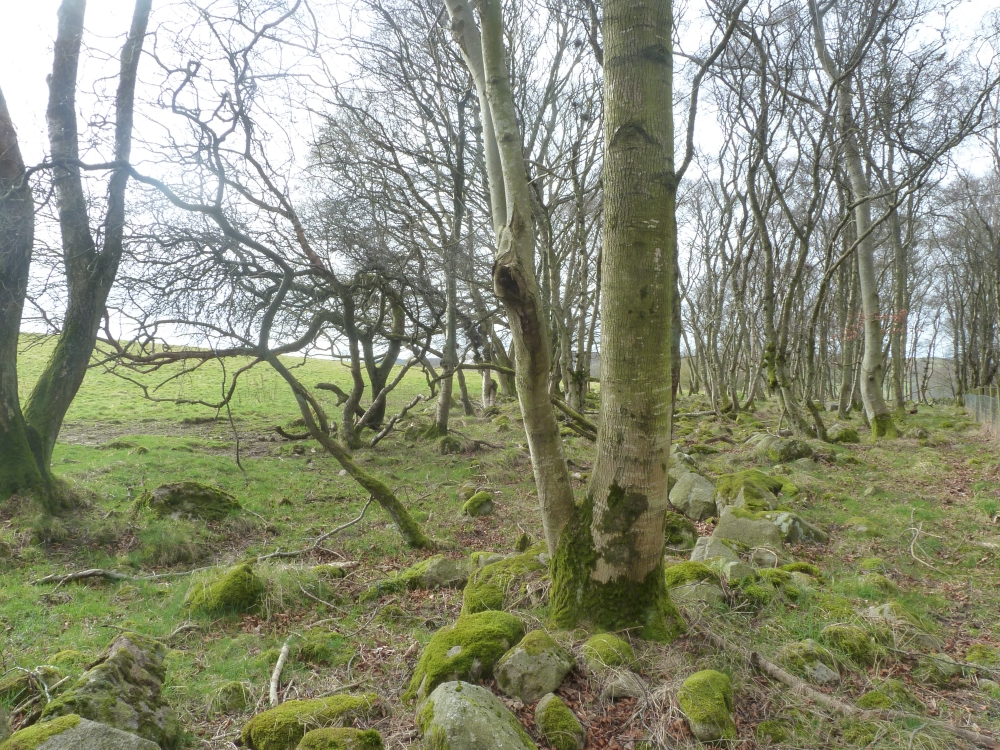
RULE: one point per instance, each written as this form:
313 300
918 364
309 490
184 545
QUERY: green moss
781 581
884 427
191 499
282 727
577 597
773 731
19 684
853 641
559 726
414 577
239 589
479 504
447 444
871 565
706 698
33 736
803 567
875 701
232 696
755 484
799 656
468 649
679 532
876 585
608 650
987 656
489 586
322 648
684 573
334 738
860 733
756 594
425 716
70 659
889 694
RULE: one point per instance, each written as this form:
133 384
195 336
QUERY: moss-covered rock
466 650
683 573
810 660
693 583
481 559
803 567
773 731
754 484
461 716
679 533
558 725
980 653
232 696
890 694
694 496
284 726
493 586
872 565
535 666
480 504
322 648
747 527
938 670
448 444
433 573
843 434
33 736
341 738
21 684
188 500
237 590
877 586
788 449
706 698
607 651
901 624
124 691
74 733
854 642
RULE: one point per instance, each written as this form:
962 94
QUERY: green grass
929 506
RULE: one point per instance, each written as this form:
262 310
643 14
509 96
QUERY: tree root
843 708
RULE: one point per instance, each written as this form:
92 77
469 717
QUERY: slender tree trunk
609 568
449 360
22 469
90 271
897 332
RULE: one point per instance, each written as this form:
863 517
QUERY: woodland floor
930 507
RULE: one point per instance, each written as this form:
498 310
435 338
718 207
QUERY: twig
392 422
319 540
276 674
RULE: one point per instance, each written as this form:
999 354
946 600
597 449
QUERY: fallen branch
289 435
392 422
276 674
709 413
843 708
320 539
579 419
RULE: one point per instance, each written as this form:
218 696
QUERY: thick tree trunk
90 271
608 570
21 468
514 268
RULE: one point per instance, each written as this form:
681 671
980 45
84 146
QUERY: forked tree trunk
608 571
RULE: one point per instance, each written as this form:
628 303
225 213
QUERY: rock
480 504
232 696
74 733
467 490
747 528
694 496
607 651
904 623
788 449
812 661
341 738
709 548
490 587
937 670
335 569
449 444
736 571
433 573
693 583
796 530
535 666
760 490
468 649
284 726
188 500
237 590
768 502
697 595
461 716
879 583
766 558
843 434
482 559
917 433
853 641
623 684
679 533
124 691
706 698
558 725
321 648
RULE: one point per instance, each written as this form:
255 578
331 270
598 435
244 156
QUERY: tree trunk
609 567
90 271
21 468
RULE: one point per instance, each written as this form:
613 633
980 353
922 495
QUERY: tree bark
608 570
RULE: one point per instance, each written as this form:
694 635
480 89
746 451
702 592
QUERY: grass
928 506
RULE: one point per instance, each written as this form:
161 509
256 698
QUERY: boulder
231 696
490 587
341 738
795 529
535 666
482 559
760 491
810 660
693 583
237 590
694 496
433 573
467 650
188 500
480 504
284 726
461 716
71 732
737 571
558 725
706 698
709 548
843 434
448 444
607 651
124 691
788 449
623 683
747 528
679 533
763 557
767 502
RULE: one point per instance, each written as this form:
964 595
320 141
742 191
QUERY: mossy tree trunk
21 468
514 279
608 570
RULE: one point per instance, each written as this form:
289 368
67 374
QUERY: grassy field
927 507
